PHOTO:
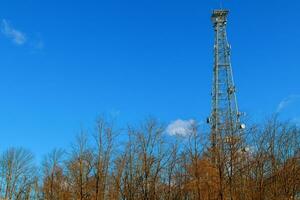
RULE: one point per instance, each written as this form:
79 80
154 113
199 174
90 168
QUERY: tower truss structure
225 116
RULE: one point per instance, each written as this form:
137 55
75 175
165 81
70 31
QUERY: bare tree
146 157
79 169
17 173
103 157
54 180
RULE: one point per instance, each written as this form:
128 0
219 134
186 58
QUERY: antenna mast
225 116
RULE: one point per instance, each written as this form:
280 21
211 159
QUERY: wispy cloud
180 127
10 32
287 101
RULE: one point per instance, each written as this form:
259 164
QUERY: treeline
144 163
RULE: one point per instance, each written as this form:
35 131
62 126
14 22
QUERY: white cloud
287 101
15 35
180 127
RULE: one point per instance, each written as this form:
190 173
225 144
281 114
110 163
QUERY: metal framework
225 116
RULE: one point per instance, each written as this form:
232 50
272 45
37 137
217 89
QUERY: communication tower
225 116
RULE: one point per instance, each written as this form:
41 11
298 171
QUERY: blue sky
63 63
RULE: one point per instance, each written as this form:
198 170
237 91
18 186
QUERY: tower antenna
225 116
226 128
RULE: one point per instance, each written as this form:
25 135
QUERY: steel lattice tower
225 116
